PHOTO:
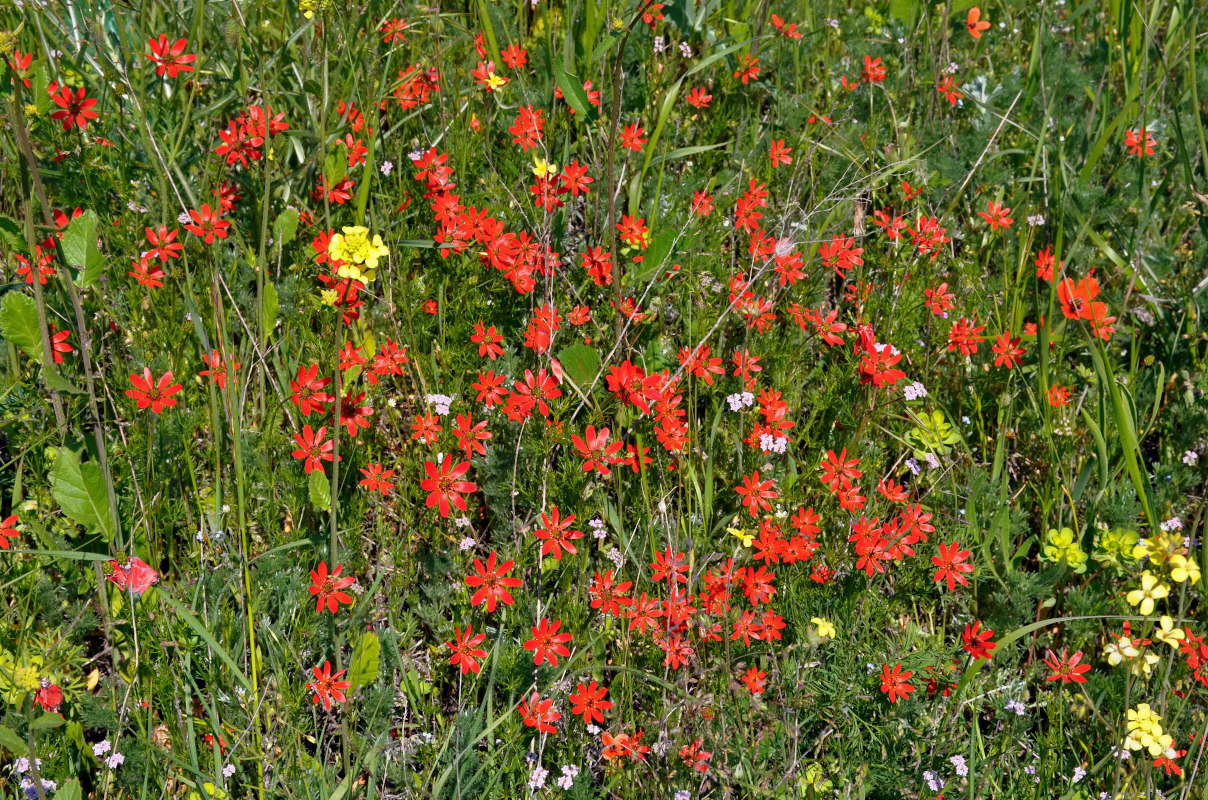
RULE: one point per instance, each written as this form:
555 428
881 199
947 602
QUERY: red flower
975 23
466 652
377 479
1066 669
951 565
58 343
834 468
1140 143
148 392
755 680
631 137
163 243
171 59
313 448
995 216
608 597
547 644
444 487
556 534
539 714
1007 350
779 153
595 450
698 98
74 109
491 584
207 225
1059 396
756 494
588 701
134 575
896 683
327 588
487 340
217 372
8 530
631 384
308 395
328 687
977 642
874 71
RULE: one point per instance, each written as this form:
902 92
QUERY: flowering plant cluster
641 399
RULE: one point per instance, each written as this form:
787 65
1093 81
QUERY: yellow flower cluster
356 253
825 629
1145 731
1140 660
1062 544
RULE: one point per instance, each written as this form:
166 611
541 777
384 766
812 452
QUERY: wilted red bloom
58 343
74 108
896 684
217 372
327 588
49 696
148 392
328 687
491 583
1066 669
134 575
444 486
170 58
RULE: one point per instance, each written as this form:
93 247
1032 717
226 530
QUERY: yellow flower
1183 569
1145 731
743 536
825 629
1150 591
358 256
495 82
1168 633
544 169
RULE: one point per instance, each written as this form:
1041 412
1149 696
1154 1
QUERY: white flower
466 544
462 522
183 218
115 760
914 391
685 50
1079 774
1172 524
659 46
958 764
1190 457
683 794
537 778
594 730
101 748
387 167
228 770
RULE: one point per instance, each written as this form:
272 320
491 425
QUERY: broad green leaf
320 490
285 227
572 91
19 323
272 305
11 233
80 490
335 166
364 667
46 722
11 742
581 363
79 248
70 791
59 382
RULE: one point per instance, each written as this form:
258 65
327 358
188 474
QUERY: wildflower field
603 399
